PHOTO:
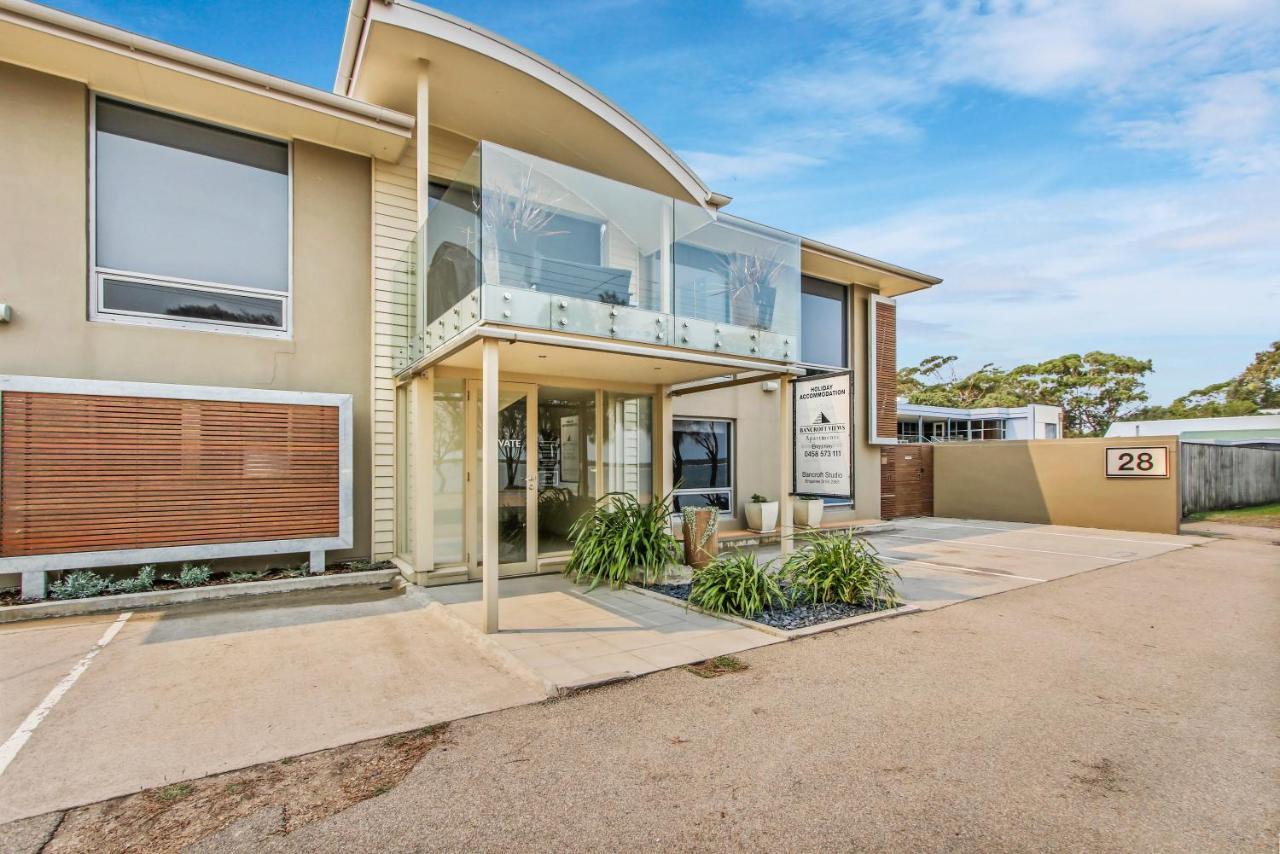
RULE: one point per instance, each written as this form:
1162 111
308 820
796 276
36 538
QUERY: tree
1091 389
1255 388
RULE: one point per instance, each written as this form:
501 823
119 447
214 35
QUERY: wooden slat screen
886 368
95 472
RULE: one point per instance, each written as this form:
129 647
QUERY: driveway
1133 708
181 693
96 707
945 561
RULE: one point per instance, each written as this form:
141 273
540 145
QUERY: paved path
1134 708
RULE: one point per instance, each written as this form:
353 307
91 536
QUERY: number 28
1141 462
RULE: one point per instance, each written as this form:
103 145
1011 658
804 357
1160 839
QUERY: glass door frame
474 484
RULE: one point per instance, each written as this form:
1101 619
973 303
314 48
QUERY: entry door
517 477
906 480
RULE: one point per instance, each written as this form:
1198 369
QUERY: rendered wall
755 414
1056 482
44 275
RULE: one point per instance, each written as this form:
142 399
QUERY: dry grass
718 666
303 789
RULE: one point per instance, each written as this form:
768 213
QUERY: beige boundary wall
1056 482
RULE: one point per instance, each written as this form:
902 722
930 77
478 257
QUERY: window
190 223
702 460
824 324
1051 431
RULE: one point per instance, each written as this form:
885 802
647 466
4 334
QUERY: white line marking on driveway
1034 530
14 743
1011 548
963 568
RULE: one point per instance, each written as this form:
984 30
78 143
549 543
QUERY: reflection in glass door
516 478
566 463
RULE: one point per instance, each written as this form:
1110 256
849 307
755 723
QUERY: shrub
145 580
757 498
194 574
246 576
79 585
619 536
735 584
835 566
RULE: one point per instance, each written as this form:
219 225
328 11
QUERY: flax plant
835 566
622 538
735 584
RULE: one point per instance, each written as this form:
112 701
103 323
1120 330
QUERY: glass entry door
517 477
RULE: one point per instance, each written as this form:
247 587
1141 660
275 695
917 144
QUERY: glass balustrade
520 240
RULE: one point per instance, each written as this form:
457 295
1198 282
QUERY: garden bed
168 582
787 619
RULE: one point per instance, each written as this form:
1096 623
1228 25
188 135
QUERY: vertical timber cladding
82 472
885 356
395 222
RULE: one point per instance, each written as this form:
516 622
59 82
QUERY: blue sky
1098 174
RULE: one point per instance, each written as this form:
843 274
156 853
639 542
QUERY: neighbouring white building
919 423
1230 430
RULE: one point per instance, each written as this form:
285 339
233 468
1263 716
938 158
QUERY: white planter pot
807 512
762 517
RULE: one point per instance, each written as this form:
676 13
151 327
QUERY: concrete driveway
94 707
181 693
944 561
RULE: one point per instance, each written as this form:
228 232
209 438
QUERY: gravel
795 617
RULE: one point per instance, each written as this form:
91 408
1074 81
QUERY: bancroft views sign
821 442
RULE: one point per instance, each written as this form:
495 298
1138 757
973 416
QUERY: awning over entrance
512 429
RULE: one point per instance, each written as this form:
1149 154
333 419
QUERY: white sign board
821 464
1138 462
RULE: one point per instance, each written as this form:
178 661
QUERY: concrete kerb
786 634
163 598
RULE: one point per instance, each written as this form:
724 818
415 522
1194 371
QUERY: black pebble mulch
795 617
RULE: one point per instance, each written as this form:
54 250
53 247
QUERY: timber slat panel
91 473
886 368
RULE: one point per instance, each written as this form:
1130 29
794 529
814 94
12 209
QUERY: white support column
422 134
421 398
315 562
489 485
786 526
663 418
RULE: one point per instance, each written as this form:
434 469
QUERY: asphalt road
1132 708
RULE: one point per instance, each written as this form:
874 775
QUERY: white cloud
749 165
1195 77
1144 272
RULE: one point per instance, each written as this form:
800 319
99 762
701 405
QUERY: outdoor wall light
6 312
769 385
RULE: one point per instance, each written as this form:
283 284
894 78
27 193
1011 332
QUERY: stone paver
568 635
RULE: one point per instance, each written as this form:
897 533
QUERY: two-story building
504 296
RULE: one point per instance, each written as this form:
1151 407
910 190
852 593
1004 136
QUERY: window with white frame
190 223
702 463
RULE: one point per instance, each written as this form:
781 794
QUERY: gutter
883 266
91 33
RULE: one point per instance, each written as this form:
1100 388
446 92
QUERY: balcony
521 241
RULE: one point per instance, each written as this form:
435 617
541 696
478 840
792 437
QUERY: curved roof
486 87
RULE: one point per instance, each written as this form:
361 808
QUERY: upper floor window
824 324
191 223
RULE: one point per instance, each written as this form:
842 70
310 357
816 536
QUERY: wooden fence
1217 477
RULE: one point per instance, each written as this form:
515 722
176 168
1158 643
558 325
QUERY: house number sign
1138 462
